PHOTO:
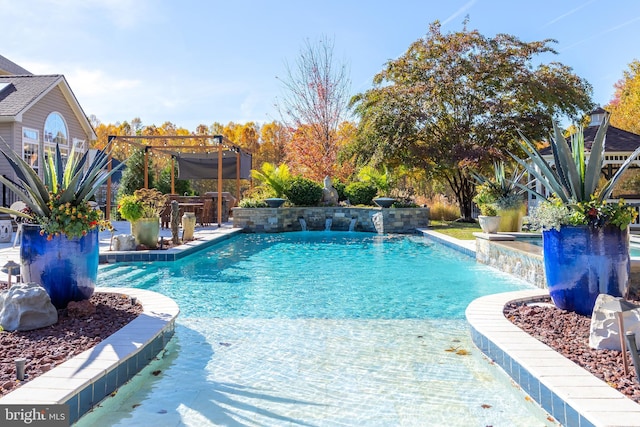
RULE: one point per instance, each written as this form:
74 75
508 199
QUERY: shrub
340 186
303 192
361 193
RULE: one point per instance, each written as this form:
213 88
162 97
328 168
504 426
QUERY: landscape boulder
26 306
604 332
124 242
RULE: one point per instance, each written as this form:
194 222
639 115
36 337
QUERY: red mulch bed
568 334
48 347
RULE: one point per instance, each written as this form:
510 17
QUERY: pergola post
173 181
238 174
146 166
219 180
107 207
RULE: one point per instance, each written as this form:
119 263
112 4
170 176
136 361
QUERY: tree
275 139
133 175
625 105
315 102
181 186
454 101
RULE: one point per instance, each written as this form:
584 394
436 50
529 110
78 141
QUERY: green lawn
459 230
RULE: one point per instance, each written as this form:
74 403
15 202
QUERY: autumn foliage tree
452 101
625 105
314 104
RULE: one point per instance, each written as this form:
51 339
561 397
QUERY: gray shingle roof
21 91
11 67
618 140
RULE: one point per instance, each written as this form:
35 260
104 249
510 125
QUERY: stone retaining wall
277 220
524 260
521 259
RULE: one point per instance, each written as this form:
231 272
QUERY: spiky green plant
277 178
382 180
506 192
60 201
574 179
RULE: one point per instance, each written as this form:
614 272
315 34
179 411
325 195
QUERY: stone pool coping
571 394
87 378
568 392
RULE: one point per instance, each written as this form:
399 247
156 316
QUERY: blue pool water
318 329
319 275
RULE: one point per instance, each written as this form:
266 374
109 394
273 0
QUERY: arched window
55 130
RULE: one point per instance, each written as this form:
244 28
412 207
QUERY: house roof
18 93
617 140
9 67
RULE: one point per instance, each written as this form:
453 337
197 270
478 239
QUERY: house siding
9 131
54 100
34 118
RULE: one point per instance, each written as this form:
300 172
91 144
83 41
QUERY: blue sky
205 61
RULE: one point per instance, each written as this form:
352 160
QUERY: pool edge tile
99 371
550 392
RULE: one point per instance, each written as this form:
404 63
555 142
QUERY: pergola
215 157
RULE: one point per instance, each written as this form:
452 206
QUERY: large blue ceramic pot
582 262
66 268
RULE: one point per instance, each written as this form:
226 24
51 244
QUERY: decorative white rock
26 306
604 332
124 242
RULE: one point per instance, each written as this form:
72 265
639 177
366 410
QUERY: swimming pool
319 329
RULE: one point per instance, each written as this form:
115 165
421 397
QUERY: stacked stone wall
277 220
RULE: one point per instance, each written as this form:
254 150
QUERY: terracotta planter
582 262
66 268
489 224
146 231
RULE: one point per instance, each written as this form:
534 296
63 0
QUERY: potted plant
585 238
508 197
59 249
142 209
485 198
275 179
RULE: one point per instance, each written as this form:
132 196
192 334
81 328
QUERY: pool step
127 276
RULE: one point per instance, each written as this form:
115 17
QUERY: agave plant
574 180
505 191
60 202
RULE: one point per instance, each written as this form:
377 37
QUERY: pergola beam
218 143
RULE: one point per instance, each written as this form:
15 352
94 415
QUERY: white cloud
459 12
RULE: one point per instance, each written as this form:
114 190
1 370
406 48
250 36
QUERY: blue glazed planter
66 268
582 262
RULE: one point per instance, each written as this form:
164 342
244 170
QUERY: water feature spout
303 224
352 224
327 224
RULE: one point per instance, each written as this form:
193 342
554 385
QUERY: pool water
319 329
